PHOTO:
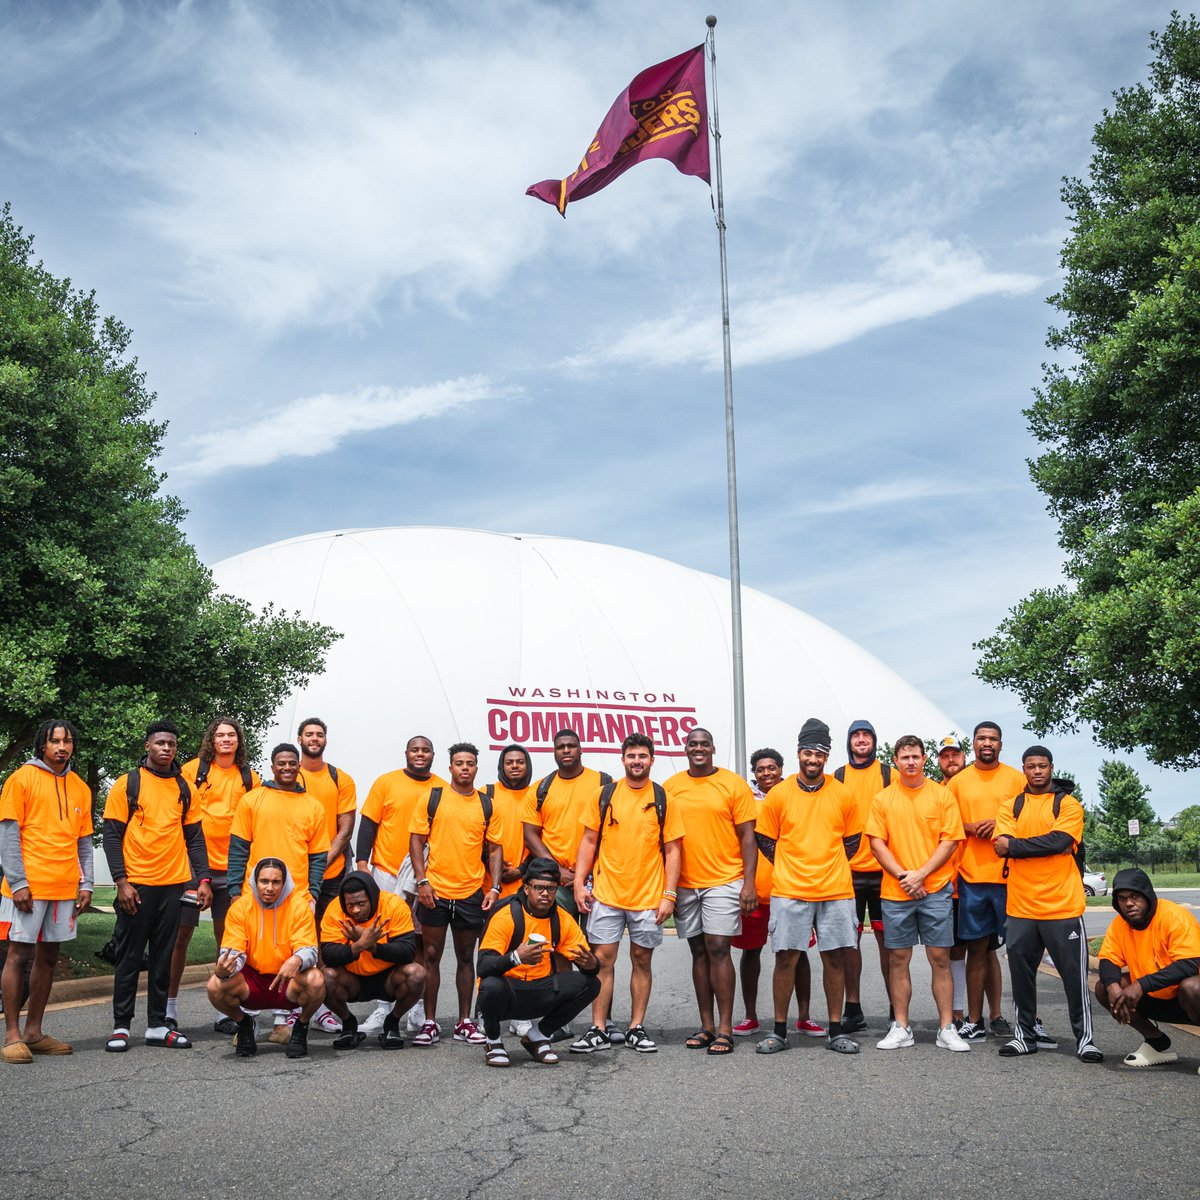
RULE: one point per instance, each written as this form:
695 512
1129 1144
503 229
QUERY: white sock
495 1042
958 972
173 1007
281 1015
122 1029
384 1006
157 1033
321 1011
535 1033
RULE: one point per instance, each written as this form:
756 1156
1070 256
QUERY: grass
1094 944
78 958
1160 879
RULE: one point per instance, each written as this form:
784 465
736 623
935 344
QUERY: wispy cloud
315 425
917 279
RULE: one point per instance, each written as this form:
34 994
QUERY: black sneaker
246 1045
1043 1039
636 1038
297 1044
853 1022
971 1032
226 1025
591 1041
999 1027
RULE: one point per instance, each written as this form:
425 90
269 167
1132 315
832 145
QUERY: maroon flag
663 113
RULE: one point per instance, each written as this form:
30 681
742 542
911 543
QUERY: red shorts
262 995
754 929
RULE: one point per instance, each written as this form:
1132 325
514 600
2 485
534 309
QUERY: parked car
1094 883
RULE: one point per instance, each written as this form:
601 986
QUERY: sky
312 217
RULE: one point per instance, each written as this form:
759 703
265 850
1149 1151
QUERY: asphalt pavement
436 1123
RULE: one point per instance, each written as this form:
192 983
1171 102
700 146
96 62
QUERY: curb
70 993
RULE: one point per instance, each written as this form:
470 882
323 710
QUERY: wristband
669 896
200 881
495 889
422 882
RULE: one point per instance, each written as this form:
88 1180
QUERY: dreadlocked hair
45 729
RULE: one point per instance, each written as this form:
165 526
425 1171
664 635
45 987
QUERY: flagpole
735 567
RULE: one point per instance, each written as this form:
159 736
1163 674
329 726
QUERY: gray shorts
792 923
716 910
606 925
50 921
929 921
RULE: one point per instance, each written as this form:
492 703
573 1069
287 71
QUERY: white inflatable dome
465 635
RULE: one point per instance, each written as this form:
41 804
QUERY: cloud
316 425
918 278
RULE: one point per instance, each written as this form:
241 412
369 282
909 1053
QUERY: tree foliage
107 616
1118 645
1122 799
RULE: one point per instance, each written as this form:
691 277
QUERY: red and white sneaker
429 1034
745 1028
810 1028
467 1031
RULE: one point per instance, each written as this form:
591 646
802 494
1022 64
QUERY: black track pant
1066 942
554 1002
154 924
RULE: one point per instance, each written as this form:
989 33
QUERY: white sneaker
949 1039
520 1028
416 1016
374 1023
896 1038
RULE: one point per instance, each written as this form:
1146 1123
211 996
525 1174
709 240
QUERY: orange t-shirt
560 823
808 828
628 872
268 937
334 799
217 801
280 824
390 804
499 932
1048 888
1172 934
914 822
865 783
510 804
455 869
393 915
979 795
711 806
154 849
52 813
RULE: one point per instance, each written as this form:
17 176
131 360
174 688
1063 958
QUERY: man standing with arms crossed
631 845
809 827
719 858
980 790
46 848
554 812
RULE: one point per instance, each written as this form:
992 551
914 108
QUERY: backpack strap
840 774
203 770
333 773
518 920
543 789
660 811
886 772
431 804
605 777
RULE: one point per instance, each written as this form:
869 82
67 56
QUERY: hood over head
856 727
288 886
526 779
360 881
1134 879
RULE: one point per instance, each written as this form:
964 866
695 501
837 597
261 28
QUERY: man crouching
368 947
524 966
268 959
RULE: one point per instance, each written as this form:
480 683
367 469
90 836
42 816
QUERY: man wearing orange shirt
553 817
915 830
219 776
46 848
980 789
1149 966
810 829
1038 835
334 790
154 844
525 961
631 837
719 858
268 958
464 836
514 776
383 843
866 777
368 947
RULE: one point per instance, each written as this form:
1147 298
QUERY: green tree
106 615
1187 833
1118 645
1122 799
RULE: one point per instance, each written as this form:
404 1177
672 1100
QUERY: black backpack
885 771
133 788
1080 854
244 771
659 804
543 789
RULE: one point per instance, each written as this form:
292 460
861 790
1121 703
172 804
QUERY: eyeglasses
542 887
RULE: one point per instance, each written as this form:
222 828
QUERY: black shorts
867 900
189 914
372 987
1158 1009
458 914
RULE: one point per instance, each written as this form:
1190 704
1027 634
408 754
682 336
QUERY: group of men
538 882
